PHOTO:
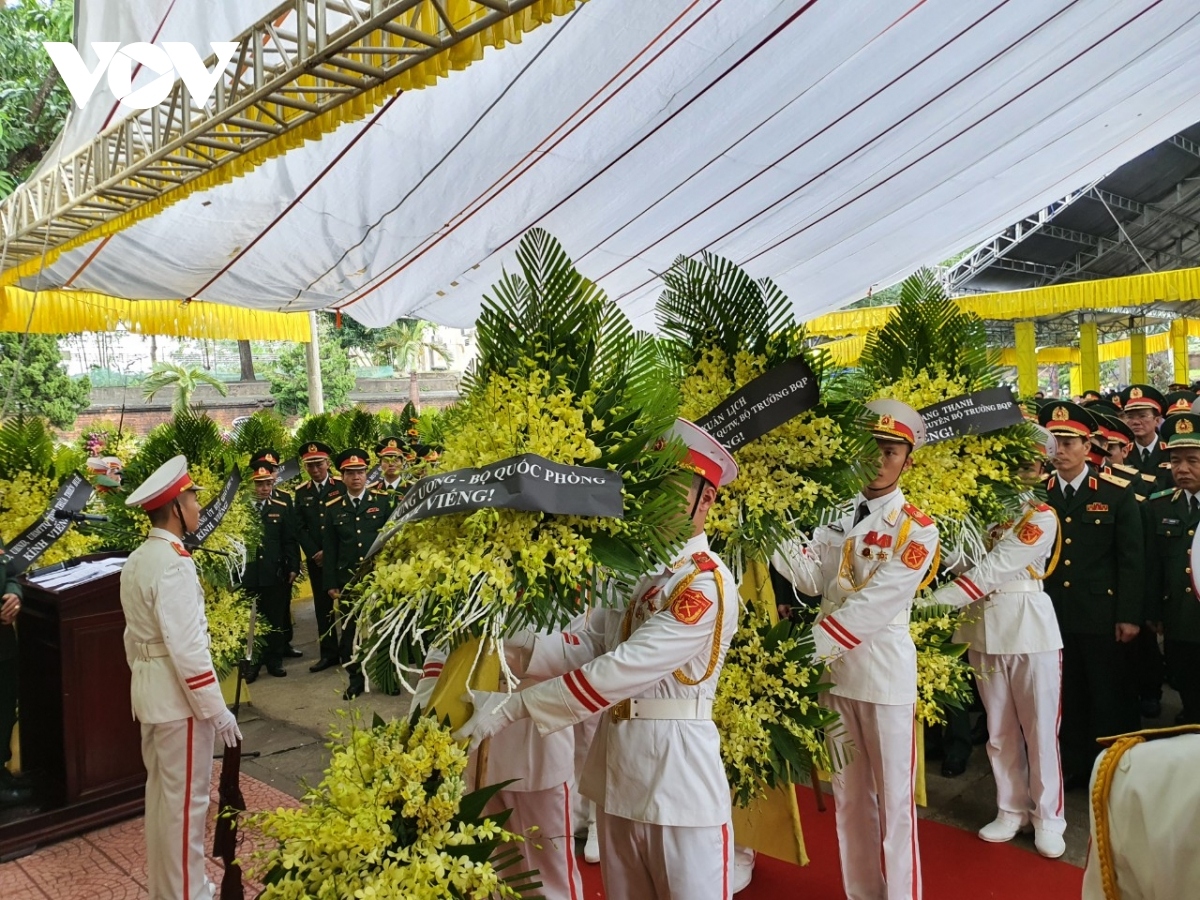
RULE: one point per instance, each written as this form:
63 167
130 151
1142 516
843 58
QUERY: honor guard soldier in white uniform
868 567
174 688
1016 649
541 796
654 768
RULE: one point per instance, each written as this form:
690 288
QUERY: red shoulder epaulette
704 562
1042 507
917 516
178 548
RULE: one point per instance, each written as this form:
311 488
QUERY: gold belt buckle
620 712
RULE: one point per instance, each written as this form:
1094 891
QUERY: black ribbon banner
527 482
213 513
289 470
31 543
764 404
978 413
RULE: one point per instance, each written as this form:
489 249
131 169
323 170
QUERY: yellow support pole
1179 350
1137 355
1076 382
1027 374
1089 357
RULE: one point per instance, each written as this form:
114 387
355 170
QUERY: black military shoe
322 664
252 674
277 670
358 686
292 653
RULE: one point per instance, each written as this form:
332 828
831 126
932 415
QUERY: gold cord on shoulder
714 655
1100 793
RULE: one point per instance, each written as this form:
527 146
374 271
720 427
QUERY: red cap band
169 493
700 464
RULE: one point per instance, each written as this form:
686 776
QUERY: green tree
289 377
34 381
33 99
183 380
405 340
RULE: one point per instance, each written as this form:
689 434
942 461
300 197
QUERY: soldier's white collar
163 534
697 544
890 504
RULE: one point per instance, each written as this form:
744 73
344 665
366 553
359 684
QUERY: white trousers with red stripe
642 861
544 818
179 761
874 801
1022 695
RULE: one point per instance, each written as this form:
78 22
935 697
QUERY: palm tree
184 379
404 342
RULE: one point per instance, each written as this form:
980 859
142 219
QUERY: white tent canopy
812 143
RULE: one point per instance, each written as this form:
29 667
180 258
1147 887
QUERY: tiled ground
110 863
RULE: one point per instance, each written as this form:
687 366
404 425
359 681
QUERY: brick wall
246 398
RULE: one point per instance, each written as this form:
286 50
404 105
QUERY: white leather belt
663 708
151 649
1028 586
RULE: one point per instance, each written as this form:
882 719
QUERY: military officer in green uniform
1097 591
353 518
1178 401
1142 408
1117 440
12 793
276 563
391 463
1173 609
310 501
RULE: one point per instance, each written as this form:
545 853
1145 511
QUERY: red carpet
954 864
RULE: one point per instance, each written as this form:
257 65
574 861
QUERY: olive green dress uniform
1174 518
277 557
8 666
1098 583
309 503
351 526
351 529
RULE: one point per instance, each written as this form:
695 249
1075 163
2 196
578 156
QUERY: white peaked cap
706 456
166 483
898 422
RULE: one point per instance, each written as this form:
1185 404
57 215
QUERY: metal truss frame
299 62
997 248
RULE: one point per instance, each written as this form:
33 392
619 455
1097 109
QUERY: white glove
494 711
227 728
518 650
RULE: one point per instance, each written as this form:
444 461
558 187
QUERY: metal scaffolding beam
991 251
304 59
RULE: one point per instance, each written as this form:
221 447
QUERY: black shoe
1151 708
252 675
358 686
292 653
15 795
277 670
952 768
322 664
979 732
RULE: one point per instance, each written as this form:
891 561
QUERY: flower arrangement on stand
391 818
560 374
724 329
211 461
943 677
32 467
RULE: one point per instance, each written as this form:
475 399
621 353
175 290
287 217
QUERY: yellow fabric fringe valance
422 75
69 312
1176 285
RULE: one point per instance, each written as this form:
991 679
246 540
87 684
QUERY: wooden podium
79 743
